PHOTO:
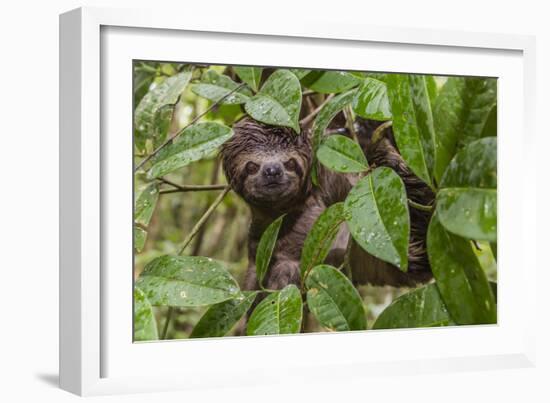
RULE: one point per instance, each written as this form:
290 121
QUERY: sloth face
267 166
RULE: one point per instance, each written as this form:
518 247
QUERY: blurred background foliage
224 237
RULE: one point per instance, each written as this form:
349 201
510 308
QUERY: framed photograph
233 201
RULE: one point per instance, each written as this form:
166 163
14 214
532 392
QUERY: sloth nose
272 170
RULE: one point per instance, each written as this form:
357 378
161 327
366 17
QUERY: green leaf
143 211
162 121
214 86
187 281
220 318
278 102
412 122
327 113
323 119
431 87
459 277
145 204
342 154
145 325
196 142
372 100
463 109
329 82
166 93
250 75
300 73
334 301
265 248
321 236
422 307
140 235
378 216
279 313
467 200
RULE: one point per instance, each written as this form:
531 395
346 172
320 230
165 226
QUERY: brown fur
302 203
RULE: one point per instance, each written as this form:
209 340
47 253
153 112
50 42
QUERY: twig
193 188
379 131
421 207
189 188
202 220
166 323
171 138
315 112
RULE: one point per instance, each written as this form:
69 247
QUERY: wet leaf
278 313
467 199
464 111
166 93
422 307
187 281
330 82
342 154
459 277
196 142
371 101
250 75
321 236
412 122
334 301
222 317
145 204
278 102
145 325
265 248
140 235
214 86
431 87
323 119
300 73
378 216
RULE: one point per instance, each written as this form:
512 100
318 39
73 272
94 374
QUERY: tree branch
189 188
171 138
203 219
420 207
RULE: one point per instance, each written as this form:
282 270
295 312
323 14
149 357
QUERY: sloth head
267 166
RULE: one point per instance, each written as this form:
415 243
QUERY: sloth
269 167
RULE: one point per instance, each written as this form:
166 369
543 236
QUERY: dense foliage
445 129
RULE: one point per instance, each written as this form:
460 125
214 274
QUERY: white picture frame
96 354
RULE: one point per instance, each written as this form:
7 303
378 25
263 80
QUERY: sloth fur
269 167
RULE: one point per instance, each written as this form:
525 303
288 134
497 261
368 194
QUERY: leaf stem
167 323
315 112
349 123
171 138
203 219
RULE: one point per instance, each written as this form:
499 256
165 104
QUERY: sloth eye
290 164
251 167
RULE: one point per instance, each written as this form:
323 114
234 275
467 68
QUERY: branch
313 114
202 220
379 131
171 138
189 188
